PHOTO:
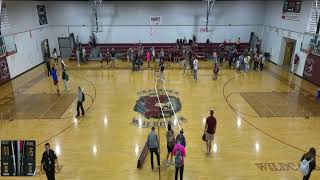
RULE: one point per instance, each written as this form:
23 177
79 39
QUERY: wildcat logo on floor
149 110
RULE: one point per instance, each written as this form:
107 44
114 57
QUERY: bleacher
200 50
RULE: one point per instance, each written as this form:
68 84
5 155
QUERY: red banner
312 69
4 70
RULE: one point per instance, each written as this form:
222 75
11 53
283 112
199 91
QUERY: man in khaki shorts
210 130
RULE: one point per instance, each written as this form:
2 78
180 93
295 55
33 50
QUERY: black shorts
170 149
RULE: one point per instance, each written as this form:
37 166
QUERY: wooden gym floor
266 120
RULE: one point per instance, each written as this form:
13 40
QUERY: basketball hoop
97 27
209 5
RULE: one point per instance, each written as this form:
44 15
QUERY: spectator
215 71
215 57
48 66
238 44
190 58
184 40
256 61
181 139
175 55
170 54
209 130
229 57
148 57
78 56
153 146
84 55
133 59
80 100
170 144
310 159
162 71
258 45
140 58
77 42
129 54
55 54
161 55
221 56
113 57
65 78
241 60
234 55
261 61
195 68
55 78
108 57
180 153
90 41
94 40
153 53
247 61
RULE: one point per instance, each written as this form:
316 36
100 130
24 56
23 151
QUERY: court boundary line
175 116
156 91
81 117
254 126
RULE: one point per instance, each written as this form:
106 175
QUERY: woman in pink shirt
179 152
148 58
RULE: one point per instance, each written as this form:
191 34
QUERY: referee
48 161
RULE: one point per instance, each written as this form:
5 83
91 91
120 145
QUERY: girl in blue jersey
55 78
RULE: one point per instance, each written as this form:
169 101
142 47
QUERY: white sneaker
167 163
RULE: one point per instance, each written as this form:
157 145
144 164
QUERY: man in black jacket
48 161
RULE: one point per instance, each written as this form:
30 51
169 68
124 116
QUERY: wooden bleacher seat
121 48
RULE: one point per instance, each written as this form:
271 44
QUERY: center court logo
279 166
149 112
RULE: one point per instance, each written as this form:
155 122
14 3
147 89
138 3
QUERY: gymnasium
160 89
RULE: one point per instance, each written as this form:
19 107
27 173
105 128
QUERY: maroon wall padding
312 69
4 70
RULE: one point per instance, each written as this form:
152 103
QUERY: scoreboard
291 10
18 158
291 6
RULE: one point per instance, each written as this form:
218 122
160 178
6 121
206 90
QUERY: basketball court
266 120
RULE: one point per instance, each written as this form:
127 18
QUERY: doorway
45 49
288 48
65 47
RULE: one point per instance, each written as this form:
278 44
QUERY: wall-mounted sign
155 20
42 13
291 10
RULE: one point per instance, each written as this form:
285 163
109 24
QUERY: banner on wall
155 20
4 70
42 13
204 29
291 10
312 69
